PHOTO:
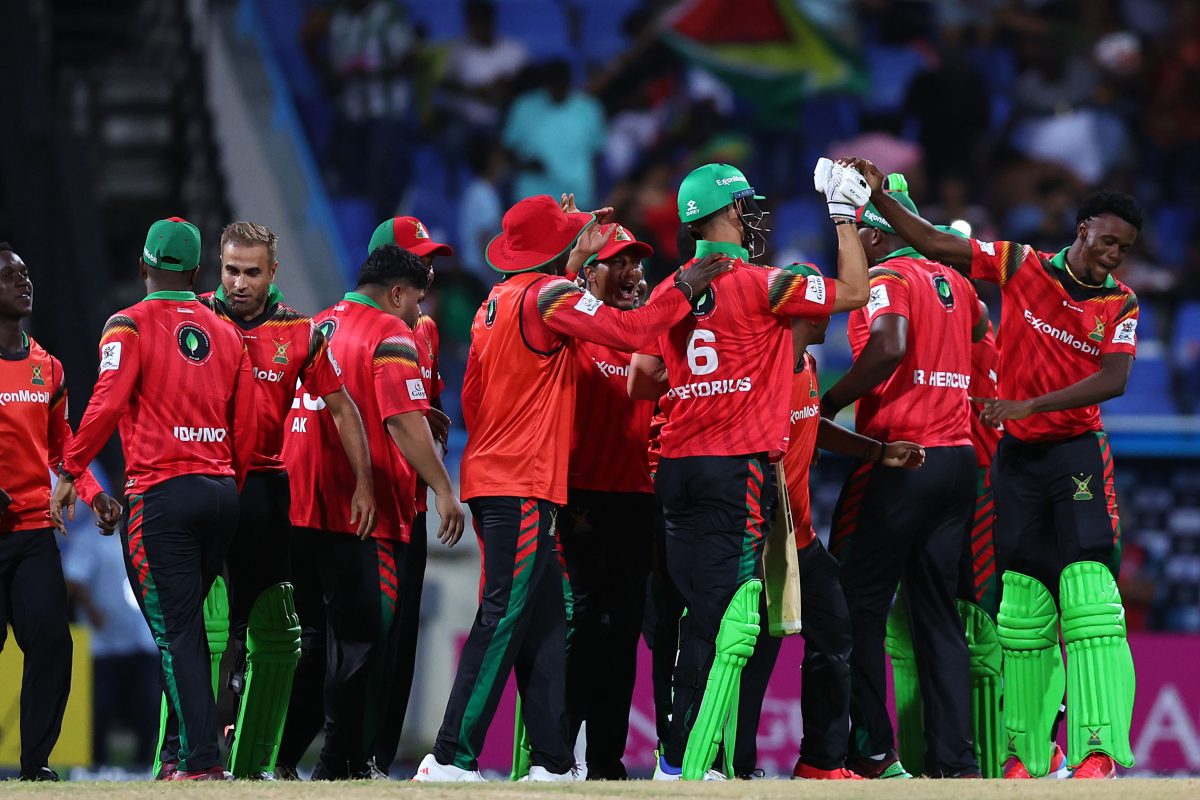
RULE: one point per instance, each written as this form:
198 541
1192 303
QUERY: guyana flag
768 51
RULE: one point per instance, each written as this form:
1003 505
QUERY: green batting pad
910 720
734 645
521 749
1033 669
987 660
162 736
216 627
272 651
1100 676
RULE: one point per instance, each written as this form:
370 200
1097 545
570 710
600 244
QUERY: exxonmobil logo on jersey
205 435
24 396
612 370
1064 336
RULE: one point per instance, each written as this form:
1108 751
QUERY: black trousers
125 688
521 624
1056 504
401 658
260 554
175 536
33 599
359 591
661 628
716 508
824 675
893 524
606 539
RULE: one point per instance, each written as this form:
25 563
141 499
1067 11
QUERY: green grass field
1128 789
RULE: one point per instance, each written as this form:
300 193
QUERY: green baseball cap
710 188
897 187
174 238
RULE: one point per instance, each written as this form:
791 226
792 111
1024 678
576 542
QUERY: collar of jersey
707 248
362 300
903 252
21 354
1060 262
274 296
170 296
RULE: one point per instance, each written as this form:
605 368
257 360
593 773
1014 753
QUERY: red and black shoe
165 770
214 773
1097 766
807 772
1014 770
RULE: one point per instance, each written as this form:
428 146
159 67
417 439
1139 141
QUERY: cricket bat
781 566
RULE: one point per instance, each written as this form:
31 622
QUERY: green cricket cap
174 238
897 187
806 270
710 188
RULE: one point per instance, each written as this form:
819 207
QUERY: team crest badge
194 344
945 296
421 233
622 235
706 304
37 379
1082 491
1094 737
1097 334
490 317
281 349
327 328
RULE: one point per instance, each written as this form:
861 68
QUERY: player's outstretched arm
354 442
928 240
1106 384
875 364
836 439
853 282
647 377
411 434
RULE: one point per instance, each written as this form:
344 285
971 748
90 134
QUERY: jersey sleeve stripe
1129 308
1012 255
555 296
885 274
396 350
118 324
782 286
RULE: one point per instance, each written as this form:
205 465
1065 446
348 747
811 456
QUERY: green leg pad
1033 669
216 627
734 645
521 749
910 721
162 736
272 651
987 660
1100 677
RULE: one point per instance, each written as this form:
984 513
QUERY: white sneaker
715 775
542 775
711 775
431 771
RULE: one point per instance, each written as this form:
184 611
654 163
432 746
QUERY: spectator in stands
478 77
555 134
481 209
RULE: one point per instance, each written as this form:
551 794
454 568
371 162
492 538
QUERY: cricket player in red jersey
410 234
825 688
178 381
1067 342
606 531
518 403
33 596
286 350
728 371
911 373
357 576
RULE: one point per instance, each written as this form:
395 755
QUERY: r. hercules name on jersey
1053 332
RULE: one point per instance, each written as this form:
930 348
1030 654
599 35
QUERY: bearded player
728 369
177 380
1067 343
33 595
286 351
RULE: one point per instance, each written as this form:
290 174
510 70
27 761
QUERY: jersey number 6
702 359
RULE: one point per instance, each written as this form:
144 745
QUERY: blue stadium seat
441 19
1148 392
892 70
1147 329
601 30
1187 328
355 218
541 25
1172 232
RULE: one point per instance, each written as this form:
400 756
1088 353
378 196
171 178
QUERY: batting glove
845 189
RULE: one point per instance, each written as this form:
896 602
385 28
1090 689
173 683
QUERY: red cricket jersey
33 432
428 343
926 399
1052 332
519 390
608 442
985 361
287 352
805 420
177 380
654 445
729 362
378 358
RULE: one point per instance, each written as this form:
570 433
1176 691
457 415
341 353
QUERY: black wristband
845 222
64 475
882 452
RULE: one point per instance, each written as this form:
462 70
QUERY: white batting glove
845 189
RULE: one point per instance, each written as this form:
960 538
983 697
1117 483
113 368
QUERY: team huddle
635 461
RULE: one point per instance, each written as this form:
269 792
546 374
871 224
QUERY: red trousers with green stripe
1056 504
716 510
978 577
899 524
521 625
175 536
346 588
